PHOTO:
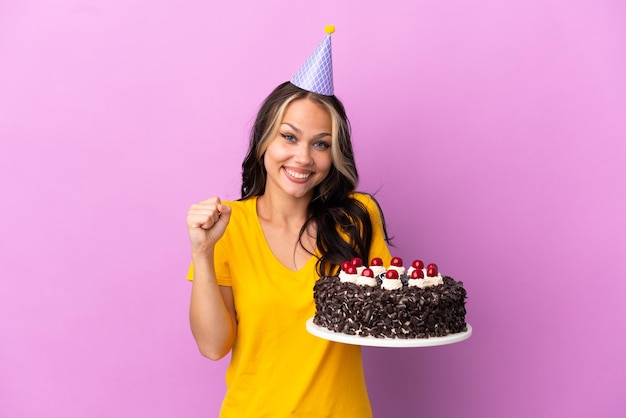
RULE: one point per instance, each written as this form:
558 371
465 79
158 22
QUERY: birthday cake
390 302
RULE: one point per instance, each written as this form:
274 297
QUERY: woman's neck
285 211
282 221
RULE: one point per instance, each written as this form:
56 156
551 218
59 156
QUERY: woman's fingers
204 214
207 221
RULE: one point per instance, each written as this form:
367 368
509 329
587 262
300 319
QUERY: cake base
370 341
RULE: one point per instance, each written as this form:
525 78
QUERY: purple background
493 131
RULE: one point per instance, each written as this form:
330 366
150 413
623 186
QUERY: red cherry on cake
417 264
351 269
376 261
367 273
345 265
432 270
417 274
357 262
392 274
396 261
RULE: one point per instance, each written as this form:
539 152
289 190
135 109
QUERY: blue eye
321 145
288 137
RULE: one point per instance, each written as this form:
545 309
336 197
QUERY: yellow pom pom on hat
316 74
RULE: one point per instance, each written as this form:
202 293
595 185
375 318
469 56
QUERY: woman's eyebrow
297 130
292 127
322 135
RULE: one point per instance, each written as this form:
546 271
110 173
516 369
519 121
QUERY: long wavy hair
333 210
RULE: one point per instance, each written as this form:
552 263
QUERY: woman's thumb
225 212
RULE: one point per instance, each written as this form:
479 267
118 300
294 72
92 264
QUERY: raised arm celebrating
212 309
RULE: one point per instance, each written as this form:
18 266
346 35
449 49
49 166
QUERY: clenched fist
206 223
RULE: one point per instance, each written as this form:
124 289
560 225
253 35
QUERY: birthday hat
316 74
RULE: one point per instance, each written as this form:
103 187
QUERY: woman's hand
206 223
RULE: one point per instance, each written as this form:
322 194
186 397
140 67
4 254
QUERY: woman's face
298 158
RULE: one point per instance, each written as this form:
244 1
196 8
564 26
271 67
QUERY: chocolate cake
418 304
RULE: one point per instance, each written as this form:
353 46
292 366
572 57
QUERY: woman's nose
303 154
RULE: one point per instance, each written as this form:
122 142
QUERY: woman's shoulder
242 208
369 202
245 204
361 196
365 198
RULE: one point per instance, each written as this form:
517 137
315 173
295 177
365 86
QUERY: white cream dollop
347 278
426 281
414 282
391 284
378 270
367 281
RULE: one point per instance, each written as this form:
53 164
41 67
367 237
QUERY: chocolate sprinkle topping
409 312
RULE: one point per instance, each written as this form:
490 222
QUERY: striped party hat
316 74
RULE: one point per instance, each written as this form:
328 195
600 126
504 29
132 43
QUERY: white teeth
297 175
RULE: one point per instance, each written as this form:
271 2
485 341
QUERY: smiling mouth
297 175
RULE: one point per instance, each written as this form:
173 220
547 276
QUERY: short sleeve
222 268
222 271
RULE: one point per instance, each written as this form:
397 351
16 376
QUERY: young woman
255 262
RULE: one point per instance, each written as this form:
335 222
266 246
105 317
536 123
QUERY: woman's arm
212 309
